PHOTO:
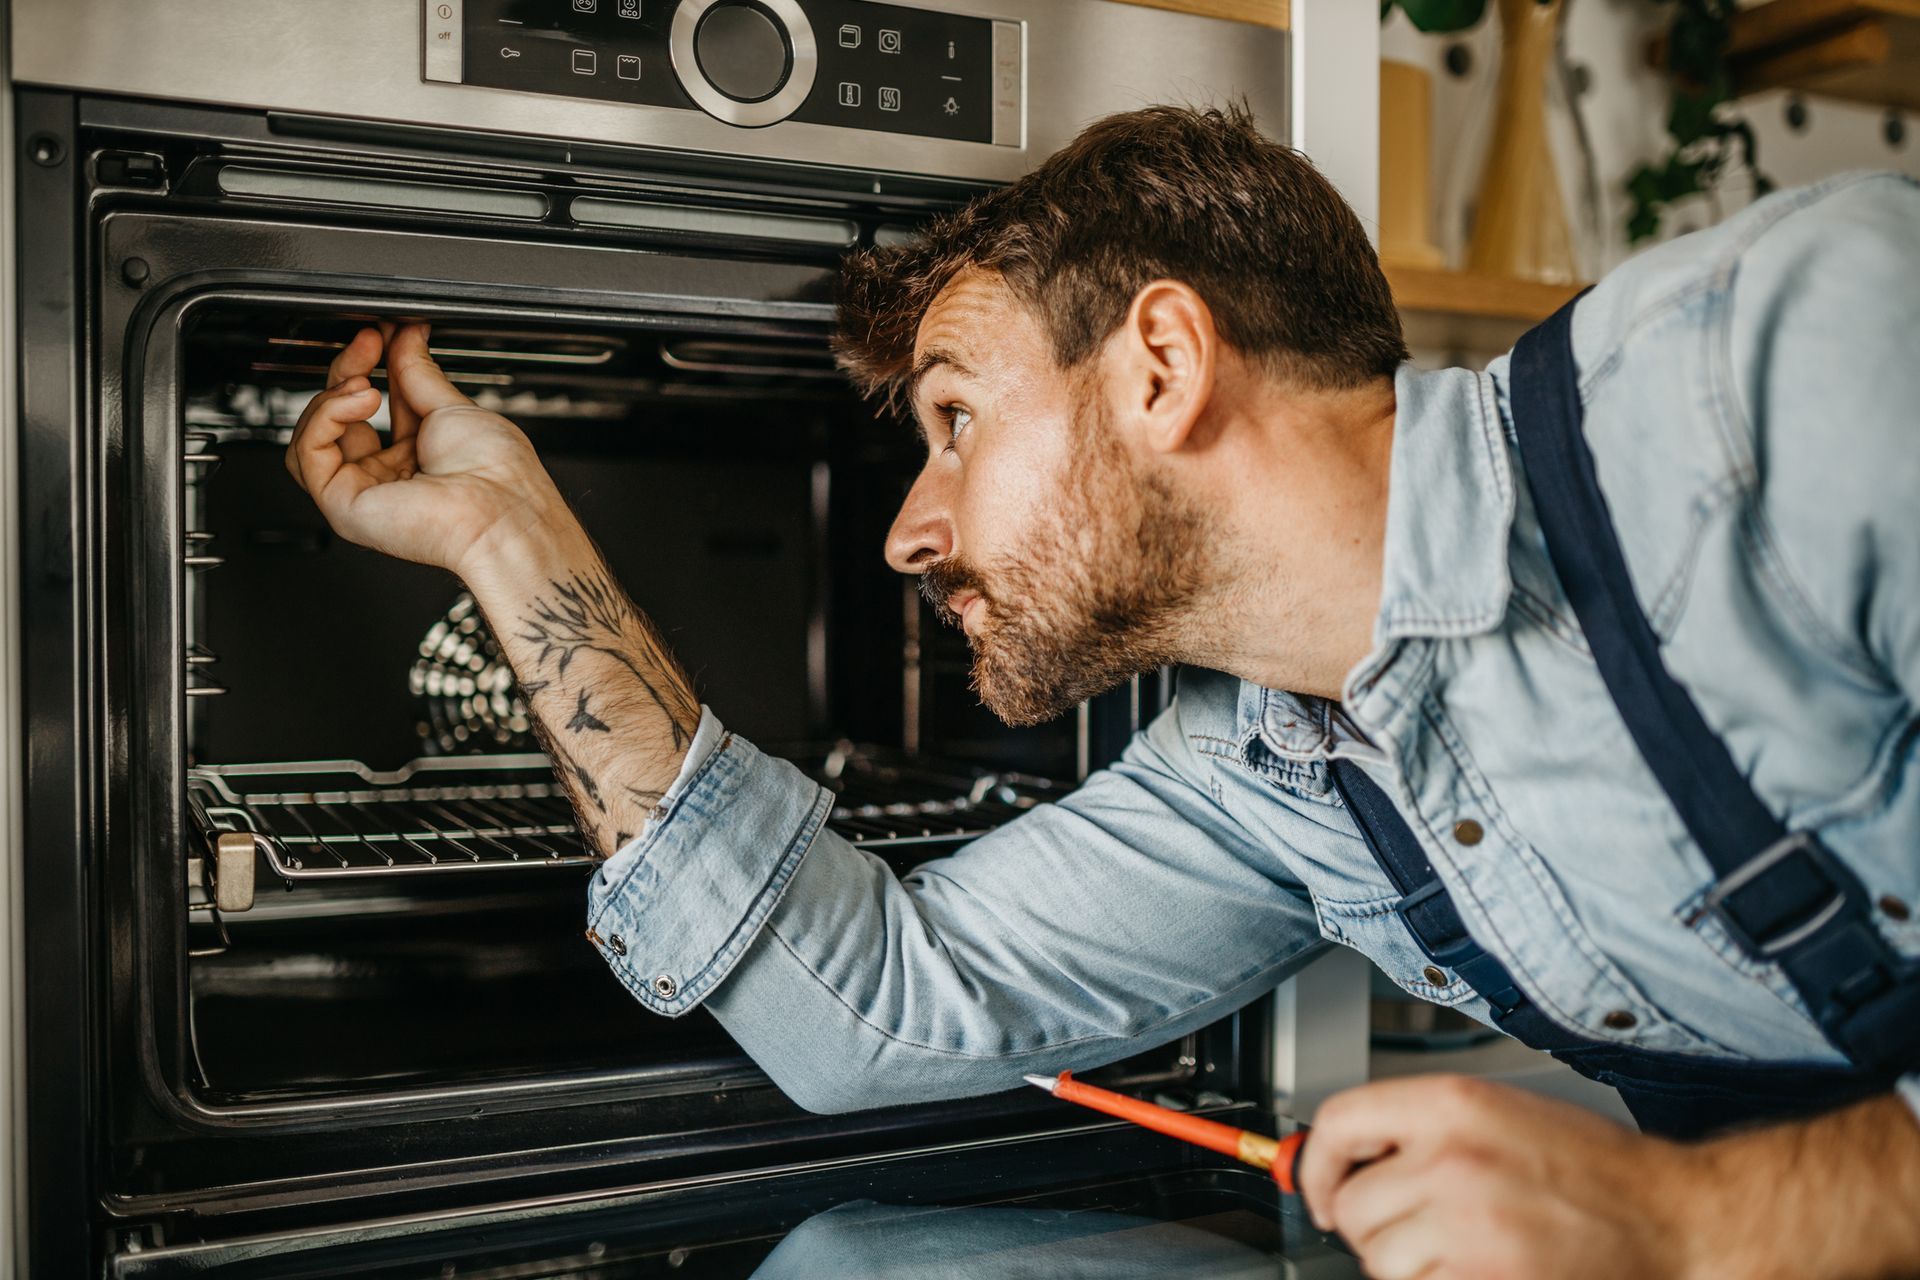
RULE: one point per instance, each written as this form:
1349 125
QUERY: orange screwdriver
1278 1156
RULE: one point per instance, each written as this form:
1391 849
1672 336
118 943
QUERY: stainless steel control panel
1055 65
847 64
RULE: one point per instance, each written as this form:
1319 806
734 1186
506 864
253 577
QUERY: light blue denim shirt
1752 400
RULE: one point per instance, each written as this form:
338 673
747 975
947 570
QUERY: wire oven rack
337 819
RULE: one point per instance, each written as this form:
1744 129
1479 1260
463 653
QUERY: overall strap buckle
1782 896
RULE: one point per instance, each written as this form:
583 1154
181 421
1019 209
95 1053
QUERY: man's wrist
529 546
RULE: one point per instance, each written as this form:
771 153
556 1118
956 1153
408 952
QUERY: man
1168 420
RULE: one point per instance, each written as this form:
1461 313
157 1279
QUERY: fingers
359 358
413 376
314 454
1411 1248
399 413
1374 1198
1367 1124
358 441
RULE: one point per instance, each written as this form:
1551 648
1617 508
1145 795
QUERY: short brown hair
1166 192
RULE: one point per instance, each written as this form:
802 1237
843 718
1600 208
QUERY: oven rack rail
338 820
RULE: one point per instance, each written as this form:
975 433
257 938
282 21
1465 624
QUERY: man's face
1034 526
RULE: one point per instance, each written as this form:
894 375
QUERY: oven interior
385 889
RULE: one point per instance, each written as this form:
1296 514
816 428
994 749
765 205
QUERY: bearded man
1580 694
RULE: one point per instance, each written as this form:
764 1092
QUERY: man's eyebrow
930 359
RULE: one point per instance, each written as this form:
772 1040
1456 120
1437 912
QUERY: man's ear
1167 351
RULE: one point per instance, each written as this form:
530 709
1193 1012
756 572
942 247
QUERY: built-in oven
304 957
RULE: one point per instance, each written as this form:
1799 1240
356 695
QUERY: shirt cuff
1909 1088
674 910
706 736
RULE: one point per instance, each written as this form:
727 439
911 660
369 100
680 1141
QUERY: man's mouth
962 605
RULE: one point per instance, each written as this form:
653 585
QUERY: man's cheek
1008 498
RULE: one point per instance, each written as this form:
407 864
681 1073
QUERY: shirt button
1619 1020
1893 908
1467 831
1435 976
665 987
616 944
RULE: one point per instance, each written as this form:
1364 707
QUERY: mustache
942 580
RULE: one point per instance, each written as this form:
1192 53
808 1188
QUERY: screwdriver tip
1041 1082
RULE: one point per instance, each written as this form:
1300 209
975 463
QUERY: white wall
1625 112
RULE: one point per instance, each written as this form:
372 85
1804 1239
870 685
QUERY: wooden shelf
1461 311
1861 50
1263 13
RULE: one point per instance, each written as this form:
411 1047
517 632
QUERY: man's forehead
975 306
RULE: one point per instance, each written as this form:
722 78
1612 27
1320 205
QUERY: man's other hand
1445 1177
453 479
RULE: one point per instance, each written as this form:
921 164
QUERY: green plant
1437 16
1705 139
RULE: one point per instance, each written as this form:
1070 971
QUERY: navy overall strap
1781 895
1425 905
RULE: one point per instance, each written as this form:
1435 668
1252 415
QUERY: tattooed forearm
579 783
584 721
611 707
589 613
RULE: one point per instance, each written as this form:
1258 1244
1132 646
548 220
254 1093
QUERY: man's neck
1299 488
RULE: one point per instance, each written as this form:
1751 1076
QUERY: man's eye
957 420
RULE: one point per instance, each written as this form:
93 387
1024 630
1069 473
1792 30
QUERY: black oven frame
107 276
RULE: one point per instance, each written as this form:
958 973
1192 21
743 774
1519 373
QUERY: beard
1098 595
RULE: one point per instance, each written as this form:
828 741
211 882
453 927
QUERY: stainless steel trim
601 211
13 1075
241 180
443 56
1084 58
1009 86
602 351
747 115
758 359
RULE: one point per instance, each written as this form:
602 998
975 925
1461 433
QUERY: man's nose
923 531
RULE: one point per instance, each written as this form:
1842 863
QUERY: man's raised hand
452 479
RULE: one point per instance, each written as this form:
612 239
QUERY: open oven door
1115 1202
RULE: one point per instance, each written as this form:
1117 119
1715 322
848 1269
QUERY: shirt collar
1449 509
1444 574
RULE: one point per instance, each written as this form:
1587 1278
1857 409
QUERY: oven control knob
747 62
741 51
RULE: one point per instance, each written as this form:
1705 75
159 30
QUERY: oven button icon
889 40
585 61
585 6
627 66
889 98
849 36
629 8
849 94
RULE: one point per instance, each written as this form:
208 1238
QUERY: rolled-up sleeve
1126 915
674 910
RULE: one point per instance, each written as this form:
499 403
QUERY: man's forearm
613 709
1838 1195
